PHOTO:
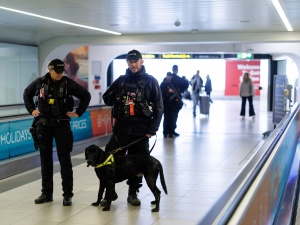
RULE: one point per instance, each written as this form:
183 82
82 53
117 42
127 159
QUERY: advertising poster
76 65
19 138
4 147
81 127
234 75
259 211
101 121
279 99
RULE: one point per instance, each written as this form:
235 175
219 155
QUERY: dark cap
134 55
169 74
57 65
175 67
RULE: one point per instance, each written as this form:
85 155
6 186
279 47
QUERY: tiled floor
198 166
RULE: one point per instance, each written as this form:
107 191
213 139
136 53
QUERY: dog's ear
85 151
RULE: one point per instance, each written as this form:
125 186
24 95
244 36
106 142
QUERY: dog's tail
162 177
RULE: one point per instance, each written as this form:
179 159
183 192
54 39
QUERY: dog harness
109 161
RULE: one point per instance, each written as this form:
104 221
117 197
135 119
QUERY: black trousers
140 147
251 108
62 134
170 119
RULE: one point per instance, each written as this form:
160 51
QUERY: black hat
175 67
169 74
134 55
57 65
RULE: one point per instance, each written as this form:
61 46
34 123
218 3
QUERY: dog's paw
155 209
153 202
106 208
95 204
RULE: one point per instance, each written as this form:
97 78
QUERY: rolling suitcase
204 105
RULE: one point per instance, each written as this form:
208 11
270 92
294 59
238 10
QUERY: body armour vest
131 98
53 99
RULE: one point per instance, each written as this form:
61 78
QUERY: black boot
132 197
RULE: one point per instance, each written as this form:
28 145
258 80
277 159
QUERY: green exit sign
244 55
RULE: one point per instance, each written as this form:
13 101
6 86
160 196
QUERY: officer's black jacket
167 96
73 89
180 82
133 125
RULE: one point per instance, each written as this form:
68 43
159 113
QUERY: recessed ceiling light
244 21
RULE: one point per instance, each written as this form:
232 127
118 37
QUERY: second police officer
137 108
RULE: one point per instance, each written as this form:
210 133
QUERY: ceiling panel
141 17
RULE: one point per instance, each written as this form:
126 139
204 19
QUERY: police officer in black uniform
172 100
53 110
137 108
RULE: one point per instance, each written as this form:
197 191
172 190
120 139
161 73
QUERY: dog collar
110 160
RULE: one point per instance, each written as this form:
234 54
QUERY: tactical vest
53 100
131 99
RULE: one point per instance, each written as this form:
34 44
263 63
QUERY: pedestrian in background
208 87
181 84
196 83
247 92
172 100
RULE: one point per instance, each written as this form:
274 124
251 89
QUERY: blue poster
82 127
19 138
4 147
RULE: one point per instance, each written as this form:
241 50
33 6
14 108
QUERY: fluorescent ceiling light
59 21
282 15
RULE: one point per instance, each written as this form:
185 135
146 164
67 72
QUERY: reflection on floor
198 165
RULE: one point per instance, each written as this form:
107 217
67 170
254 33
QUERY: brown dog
111 169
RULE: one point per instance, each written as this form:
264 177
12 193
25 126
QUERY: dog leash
120 148
110 159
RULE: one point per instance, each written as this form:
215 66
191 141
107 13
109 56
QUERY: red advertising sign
101 121
234 75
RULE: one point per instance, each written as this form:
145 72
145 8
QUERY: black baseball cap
134 55
57 65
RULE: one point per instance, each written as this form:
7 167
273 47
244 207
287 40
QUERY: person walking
247 92
196 83
53 111
137 108
172 100
208 87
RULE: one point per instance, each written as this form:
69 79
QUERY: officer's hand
72 114
148 135
35 113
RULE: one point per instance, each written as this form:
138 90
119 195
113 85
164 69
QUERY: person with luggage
247 92
196 83
208 88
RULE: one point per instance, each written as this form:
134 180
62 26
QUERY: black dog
111 169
